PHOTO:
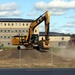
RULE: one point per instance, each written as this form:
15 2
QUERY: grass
9 48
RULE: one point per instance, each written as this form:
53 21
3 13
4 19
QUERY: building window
35 30
1 36
4 36
8 30
4 30
23 24
8 24
1 30
12 30
0 24
27 24
23 31
26 30
19 30
5 24
62 38
8 43
59 43
8 37
12 24
15 30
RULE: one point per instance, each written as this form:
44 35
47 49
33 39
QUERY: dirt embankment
32 58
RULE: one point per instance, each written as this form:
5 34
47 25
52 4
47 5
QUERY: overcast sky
62 12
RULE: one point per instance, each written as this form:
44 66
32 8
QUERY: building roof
53 34
15 20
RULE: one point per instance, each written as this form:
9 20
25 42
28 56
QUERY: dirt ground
35 59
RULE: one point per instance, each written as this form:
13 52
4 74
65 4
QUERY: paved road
51 71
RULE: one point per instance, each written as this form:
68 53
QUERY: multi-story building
56 39
12 26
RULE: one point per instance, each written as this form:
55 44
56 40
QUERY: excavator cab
35 39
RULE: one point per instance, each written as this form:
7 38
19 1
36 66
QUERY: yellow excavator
31 39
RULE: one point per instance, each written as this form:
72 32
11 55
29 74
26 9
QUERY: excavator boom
44 17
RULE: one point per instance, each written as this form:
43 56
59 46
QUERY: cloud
56 7
16 13
9 9
72 16
60 30
54 29
4 13
64 31
61 4
70 24
53 25
41 6
9 6
32 14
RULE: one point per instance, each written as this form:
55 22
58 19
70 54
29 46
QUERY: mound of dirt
29 55
30 58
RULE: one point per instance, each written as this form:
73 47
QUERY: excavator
31 40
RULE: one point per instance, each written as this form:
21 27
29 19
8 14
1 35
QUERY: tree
73 36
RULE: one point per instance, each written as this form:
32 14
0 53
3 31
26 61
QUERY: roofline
15 20
54 35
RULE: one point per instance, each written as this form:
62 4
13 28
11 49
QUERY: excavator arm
46 18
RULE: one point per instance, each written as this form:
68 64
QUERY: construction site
54 58
30 52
